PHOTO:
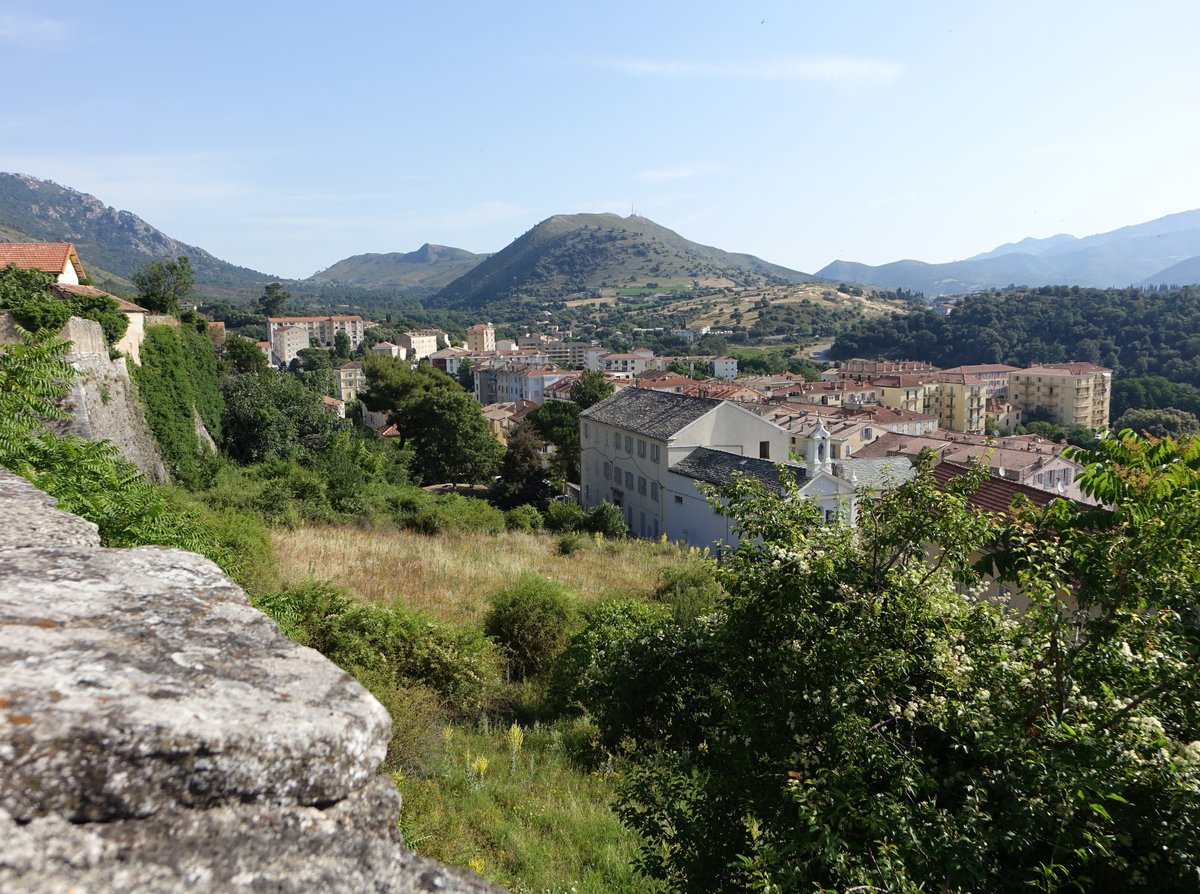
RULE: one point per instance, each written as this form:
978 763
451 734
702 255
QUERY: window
654 452
764 449
629 480
608 471
628 444
587 431
654 491
867 433
678 499
641 447
641 485
830 516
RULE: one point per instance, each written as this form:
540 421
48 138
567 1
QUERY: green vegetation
848 720
162 285
25 293
177 383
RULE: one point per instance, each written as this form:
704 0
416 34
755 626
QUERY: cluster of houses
663 436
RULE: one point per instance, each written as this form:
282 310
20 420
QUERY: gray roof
655 414
718 467
876 473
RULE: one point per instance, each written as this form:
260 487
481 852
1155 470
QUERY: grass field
453 575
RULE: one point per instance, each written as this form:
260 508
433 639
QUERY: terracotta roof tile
48 256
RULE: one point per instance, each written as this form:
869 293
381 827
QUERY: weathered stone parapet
157 733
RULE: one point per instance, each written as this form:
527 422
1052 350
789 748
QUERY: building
389 349
323 329
481 338
1068 393
630 440
422 343
510 381
993 376
56 258
351 379
130 343
287 342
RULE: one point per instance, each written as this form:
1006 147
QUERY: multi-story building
632 442
422 343
960 403
510 381
287 342
993 376
323 329
1069 393
389 349
351 379
481 338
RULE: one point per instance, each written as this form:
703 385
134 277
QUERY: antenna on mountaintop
632 210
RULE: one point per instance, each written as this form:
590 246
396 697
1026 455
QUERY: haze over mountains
572 255
1166 250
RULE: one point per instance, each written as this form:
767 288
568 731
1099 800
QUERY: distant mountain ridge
430 267
573 255
1166 250
118 242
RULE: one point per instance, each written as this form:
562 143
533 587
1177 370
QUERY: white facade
420 345
625 460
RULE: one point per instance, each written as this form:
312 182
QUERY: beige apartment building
481 338
1070 393
323 329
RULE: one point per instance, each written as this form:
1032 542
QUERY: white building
286 343
422 343
635 450
323 329
509 381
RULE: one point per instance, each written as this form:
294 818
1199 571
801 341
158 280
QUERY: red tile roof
51 257
64 290
995 495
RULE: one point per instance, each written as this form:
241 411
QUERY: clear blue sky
287 135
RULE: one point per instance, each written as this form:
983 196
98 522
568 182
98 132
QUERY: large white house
649 452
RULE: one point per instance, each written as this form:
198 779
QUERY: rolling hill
572 255
115 241
429 268
1160 251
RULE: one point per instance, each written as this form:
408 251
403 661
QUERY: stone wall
102 402
157 733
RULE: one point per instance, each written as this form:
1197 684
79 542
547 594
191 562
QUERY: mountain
114 241
430 268
1143 253
583 254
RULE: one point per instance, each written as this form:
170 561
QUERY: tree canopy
161 285
854 717
590 388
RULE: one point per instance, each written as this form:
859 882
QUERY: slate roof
654 414
719 467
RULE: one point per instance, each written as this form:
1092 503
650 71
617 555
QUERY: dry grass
453 575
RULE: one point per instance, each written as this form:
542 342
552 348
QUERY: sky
285 136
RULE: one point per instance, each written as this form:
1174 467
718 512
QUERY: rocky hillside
429 268
573 255
115 241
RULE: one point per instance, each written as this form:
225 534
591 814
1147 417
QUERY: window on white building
587 431
607 471
629 444
641 485
641 447
654 491
678 498
629 480
654 452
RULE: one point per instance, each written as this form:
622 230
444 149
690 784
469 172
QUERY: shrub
569 544
564 516
606 626
532 620
523 518
690 589
368 640
607 519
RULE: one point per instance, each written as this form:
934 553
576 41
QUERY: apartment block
1070 393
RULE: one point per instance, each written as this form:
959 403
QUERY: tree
273 300
522 473
466 376
557 421
161 285
590 388
444 424
341 345
242 357
848 720
1166 422
272 414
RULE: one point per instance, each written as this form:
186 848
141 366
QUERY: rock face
157 733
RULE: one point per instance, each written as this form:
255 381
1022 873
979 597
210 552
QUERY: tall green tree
161 285
274 299
522 472
590 388
557 421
